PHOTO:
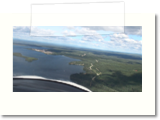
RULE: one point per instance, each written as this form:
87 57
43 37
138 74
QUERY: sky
113 38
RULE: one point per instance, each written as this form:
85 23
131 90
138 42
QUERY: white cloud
71 30
23 29
41 32
106 28
133 30
34 31
69 33
130 30
124 42
88 35
119 42
85 31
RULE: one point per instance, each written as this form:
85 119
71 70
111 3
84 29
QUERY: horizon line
76 46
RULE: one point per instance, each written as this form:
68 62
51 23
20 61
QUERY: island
29 59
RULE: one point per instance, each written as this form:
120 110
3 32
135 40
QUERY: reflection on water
49 66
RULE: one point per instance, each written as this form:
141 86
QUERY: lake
49 66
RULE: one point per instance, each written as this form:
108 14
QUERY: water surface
49 66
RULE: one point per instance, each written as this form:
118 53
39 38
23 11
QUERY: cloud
130 30
85 31
116 42
92 38
119 42
23 29
34 31
88 35
78 30
69 33
124 42
133 30
106 28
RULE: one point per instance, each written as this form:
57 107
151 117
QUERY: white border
94 103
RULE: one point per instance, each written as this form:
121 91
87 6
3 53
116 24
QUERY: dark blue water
49 66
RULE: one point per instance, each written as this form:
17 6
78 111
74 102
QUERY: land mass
29 59
43 51
105 71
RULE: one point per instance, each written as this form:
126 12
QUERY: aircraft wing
41 84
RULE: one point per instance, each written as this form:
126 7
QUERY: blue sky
99 37
135 37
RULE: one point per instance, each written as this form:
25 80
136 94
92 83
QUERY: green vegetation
29 59
105 71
